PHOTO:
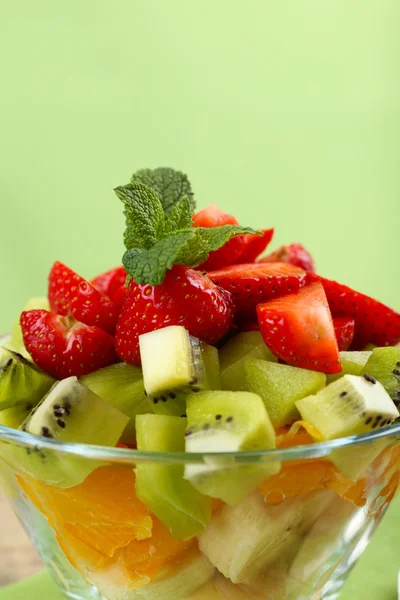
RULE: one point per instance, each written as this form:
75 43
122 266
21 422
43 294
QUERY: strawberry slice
298 328
184 298
62 346
70 294
375 322
251 284
344 331
240 249
110 282
294 254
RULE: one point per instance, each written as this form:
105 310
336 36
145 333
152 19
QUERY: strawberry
294 254
344 331
62 346
374 322
251 284
241 249
184 298
70 294
298 328
110 282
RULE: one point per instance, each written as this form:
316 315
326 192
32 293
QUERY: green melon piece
122 386
384 366
233 354
228 422
161 487
16 342
21 382
348 406
280 386
70 412
352 364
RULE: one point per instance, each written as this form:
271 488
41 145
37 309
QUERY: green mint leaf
150 265
216 237
144 215
195 251
169 184
179 217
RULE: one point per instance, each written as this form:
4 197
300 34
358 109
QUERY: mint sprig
159 229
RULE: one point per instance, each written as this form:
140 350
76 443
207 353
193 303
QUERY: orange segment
103 511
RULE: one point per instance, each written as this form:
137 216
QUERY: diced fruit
21 383
63 347
244 540
239 249
298 328
15 416
227 422
17 342
70 413
110 282
374 322
121 385
161 487
384 365
353 461
184 298
251 284
348 406
344 331
233 354
70 294
352 364
294 254
280 386
175 364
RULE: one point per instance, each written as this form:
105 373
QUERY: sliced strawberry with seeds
184 298
70 294
252 284
62 346
344 331
375 322
110 282
240 249
294 254
298 328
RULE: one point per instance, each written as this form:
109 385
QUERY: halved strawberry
298 328
62 346
110 282
240 249
294 254
70 294
374 322
251 284
185 298
344 331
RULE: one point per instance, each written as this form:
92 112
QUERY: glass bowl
295 537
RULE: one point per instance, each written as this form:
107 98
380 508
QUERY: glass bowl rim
129 456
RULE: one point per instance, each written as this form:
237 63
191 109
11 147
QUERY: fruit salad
203 343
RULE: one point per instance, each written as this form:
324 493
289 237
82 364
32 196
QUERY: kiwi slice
352 364
233 354
14 417
349 406
70 412
16 342
384 365
244 540
174 364
20 381
161 487
228 422
280 386
122 386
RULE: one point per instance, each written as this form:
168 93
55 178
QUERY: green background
284 113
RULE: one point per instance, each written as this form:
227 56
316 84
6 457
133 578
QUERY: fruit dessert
203 342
